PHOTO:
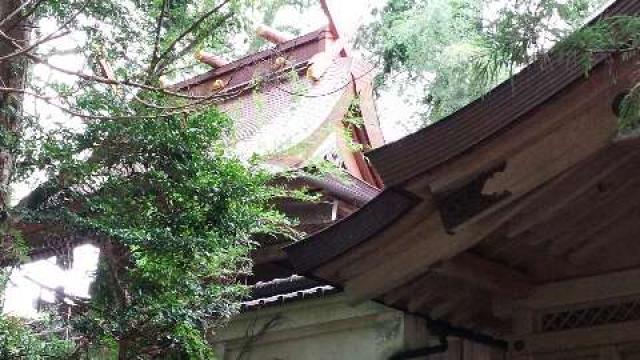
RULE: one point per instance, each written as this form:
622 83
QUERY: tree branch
156 42
161 65
191 28
54 35
26 50
33 9
106 81
48 100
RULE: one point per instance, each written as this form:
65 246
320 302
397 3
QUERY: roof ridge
251 59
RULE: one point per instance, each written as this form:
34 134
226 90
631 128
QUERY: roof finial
272 35
345 17
210 59
327 12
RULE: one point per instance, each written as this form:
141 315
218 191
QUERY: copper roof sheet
333 241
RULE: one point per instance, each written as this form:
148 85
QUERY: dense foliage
616 36
177 212
459 49
18 341
148 175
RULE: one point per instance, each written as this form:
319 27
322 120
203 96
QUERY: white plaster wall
320 329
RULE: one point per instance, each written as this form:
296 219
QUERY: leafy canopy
459 49
148 175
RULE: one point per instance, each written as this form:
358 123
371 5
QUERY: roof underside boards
553 196
484 118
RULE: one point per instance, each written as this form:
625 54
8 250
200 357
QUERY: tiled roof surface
344 187
289 116
286 290
273 120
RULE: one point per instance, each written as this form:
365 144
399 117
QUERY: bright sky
22 293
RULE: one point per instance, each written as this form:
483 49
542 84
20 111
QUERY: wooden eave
338 198
551 196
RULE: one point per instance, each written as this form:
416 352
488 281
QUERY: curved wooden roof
516 192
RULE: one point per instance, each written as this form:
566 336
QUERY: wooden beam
345 24
210 59
413 287
389 243
435 287
327 12
428 244
272 35
577 139
421 300
580 127
337 116
418 249
570 195
581 207
446 307
414 250
488 275
364 87
475 305
610 353
322 61
583 290
545 221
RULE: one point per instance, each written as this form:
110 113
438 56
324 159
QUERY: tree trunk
123 350
12 75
